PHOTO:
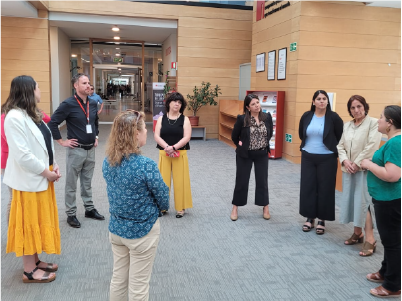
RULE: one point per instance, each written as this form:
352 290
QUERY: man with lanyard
80 114
97 98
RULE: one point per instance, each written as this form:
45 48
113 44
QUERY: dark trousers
317 186
388 216
243 170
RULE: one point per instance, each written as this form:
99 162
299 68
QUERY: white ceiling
22 9
84 26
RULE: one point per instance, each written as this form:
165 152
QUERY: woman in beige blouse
359 141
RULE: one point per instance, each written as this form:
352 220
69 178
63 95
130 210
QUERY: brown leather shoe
375 277
354 239
368 249
381 292
45 278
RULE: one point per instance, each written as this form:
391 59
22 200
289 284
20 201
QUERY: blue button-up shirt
136 193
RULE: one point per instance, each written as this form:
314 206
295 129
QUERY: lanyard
87 112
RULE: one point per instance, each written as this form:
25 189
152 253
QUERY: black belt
85 146
263 148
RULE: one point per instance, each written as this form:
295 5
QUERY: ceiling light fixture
117 43
73 55
117 48
115 28
117 54
116 38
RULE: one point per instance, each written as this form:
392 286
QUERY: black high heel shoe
308 228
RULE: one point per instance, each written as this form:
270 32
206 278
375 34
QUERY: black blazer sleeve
271 127
338 126
237 129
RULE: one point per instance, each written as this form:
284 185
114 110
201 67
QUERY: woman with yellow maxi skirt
172 134
30 171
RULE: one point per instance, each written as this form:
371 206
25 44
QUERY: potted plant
205 95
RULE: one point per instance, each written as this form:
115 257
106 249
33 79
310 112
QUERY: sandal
368 249
375 277
382 292
180 214
354 239
50 267
45 278
307 228
320 231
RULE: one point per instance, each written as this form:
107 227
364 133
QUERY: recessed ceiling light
118 68
115 28
117 43
117 48
116 38
117 54
73 55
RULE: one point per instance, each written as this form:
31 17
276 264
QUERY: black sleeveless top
48 140
172 131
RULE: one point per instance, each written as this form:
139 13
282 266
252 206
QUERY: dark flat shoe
30 279
180 214
49 268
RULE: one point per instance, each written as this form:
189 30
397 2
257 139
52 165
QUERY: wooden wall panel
25 51
344 48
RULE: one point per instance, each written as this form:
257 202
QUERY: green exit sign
288 138
118 60
293 46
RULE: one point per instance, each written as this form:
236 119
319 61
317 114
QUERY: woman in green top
384 186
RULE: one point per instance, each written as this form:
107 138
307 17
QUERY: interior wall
275 32
25 51
346 48
211 44
170 56
60 46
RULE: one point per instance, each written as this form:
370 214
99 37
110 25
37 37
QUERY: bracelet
173 147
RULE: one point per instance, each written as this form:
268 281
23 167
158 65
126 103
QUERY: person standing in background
251 134
172 135
360 139
81 116
320 130
96 98
384 185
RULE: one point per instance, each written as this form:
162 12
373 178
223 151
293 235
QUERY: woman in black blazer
320 130
251 134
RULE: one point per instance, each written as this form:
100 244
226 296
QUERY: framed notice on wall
282 63
260 62
271 64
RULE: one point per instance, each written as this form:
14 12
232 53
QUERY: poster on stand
271 65
158 105
260 62
282 63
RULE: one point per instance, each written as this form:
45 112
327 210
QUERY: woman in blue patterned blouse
137 194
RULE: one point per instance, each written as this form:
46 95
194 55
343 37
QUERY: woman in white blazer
30 172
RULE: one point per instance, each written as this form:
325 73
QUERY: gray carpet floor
205 255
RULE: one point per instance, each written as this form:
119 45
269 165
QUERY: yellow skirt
181 178
34 223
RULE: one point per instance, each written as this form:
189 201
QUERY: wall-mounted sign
288 138
174 65
271 64
118 60
266 8
293 47
260 62
168 51
282 63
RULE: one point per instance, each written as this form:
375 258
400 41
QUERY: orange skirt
34 223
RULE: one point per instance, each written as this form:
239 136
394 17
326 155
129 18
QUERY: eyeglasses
135 113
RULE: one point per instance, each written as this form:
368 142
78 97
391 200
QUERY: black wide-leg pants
243 170
388 217
317 185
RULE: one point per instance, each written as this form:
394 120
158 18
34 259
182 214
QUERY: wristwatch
173 147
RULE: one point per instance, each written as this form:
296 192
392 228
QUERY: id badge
89 129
